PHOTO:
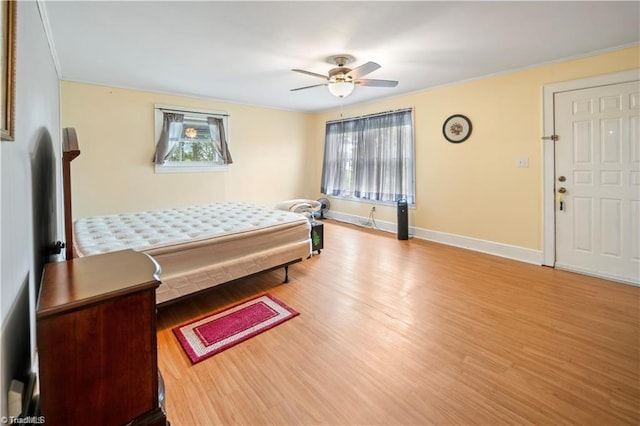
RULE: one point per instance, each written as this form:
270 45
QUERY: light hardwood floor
412 332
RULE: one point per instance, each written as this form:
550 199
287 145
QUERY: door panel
611 227
635 230
598 152
583 224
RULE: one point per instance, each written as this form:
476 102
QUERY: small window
194 140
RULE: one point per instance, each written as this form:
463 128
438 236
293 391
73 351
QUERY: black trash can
403 220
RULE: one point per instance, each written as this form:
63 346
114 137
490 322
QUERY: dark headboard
70 150
44 199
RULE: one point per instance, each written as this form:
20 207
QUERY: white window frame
190 167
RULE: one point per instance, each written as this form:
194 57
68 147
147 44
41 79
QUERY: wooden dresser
96 336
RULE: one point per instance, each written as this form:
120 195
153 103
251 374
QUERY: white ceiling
244 51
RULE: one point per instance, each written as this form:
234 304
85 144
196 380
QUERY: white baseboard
624 280
521 254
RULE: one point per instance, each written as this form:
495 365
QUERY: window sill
368 202
190 169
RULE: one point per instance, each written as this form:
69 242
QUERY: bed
196 247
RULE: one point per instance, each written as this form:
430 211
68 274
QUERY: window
189 140
370 158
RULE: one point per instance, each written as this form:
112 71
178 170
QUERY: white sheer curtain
370 158
338 158
216 128
170 136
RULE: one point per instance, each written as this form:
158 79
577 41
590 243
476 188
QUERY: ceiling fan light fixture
342 80
341 89
190 132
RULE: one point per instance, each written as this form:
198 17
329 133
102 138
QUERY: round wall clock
456 128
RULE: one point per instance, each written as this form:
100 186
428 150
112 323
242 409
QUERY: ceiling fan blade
311 73
363 69
377 83
307 87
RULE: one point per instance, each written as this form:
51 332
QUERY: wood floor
411 332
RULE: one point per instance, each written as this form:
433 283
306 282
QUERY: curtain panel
216 128
169 137
370 158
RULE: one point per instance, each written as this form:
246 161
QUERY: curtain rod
370 115
181 111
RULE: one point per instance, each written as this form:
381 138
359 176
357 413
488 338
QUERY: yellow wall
474 189
114 173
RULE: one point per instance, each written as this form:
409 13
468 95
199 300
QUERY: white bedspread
147 230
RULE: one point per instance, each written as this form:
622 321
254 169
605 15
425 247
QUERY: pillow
299 206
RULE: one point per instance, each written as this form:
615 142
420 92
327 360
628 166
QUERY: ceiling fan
342 80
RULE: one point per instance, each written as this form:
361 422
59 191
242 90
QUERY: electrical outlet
523 162
16 391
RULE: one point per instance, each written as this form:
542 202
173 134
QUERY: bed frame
71 151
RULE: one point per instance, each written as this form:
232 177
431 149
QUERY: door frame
548 150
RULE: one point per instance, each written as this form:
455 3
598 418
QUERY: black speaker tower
403 220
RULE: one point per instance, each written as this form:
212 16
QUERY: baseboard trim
508 251
596 274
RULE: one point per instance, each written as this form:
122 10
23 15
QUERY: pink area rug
204 337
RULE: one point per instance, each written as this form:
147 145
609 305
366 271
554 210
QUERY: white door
597 164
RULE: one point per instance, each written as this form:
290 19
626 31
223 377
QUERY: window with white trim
190 140
370 158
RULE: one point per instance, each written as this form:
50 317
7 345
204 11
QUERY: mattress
200 246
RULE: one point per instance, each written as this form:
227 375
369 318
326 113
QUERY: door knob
562 190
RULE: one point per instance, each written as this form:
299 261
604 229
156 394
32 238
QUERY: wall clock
457 128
